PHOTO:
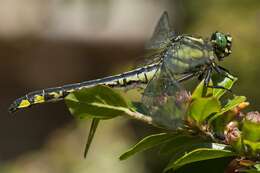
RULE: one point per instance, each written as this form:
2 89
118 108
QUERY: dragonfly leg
186 77
225 72
207 80
207 77
219 87
137 86
202 74
222 70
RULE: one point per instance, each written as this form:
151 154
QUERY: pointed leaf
198 155
91 134
202 91
226 83
83 104
250 171
201 108
254 169
180 143
229 106
147 143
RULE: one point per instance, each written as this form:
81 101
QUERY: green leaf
147 143
86 103
226 83
255 169
231 104
202 91
257 166
251 131
91 134
201 108
196 155
181 143
250 171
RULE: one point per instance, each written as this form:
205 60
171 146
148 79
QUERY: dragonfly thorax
188 54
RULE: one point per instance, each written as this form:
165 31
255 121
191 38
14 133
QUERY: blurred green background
55 42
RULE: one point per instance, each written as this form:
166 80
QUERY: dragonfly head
222 44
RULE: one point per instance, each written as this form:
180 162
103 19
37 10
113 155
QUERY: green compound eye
221 40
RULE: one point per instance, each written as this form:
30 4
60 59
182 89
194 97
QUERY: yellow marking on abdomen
150 74
38 99
55 95
24 103
132 79
121 81
141 77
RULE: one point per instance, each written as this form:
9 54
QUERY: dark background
55 42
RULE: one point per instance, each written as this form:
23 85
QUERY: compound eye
221 40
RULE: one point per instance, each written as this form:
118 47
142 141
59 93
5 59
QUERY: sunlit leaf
251 131
202 91
255 169
226 83
86 103
198 155
231 104
201 108
250 171
257 166
147 143
181 142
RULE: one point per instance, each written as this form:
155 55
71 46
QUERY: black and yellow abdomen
140 75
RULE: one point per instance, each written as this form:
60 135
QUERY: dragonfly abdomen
140 75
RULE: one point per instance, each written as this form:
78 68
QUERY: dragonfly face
222 44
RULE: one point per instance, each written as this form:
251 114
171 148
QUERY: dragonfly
172 59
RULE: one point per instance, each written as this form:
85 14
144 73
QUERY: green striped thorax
222 44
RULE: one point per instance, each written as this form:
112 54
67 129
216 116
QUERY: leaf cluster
214 125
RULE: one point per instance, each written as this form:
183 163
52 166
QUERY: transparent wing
165 100
158 43
162 33
148 58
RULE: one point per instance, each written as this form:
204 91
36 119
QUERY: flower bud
232 133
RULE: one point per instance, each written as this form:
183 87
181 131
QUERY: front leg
222 70
207 80
207 77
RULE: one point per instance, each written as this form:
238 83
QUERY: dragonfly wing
150 57
165 100
159 42
162 33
